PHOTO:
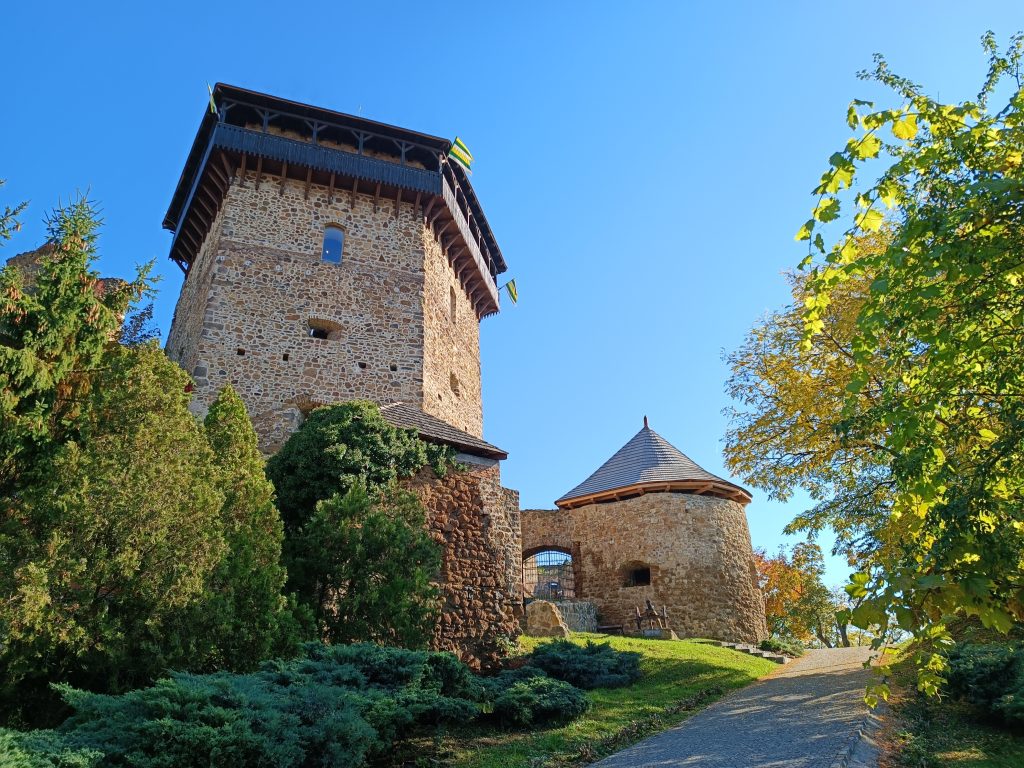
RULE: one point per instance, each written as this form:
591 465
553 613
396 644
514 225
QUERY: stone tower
650 524
328 258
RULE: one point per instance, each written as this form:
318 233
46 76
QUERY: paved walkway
803 716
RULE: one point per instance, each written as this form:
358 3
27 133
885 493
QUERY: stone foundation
579 616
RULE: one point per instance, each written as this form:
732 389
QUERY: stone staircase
753 650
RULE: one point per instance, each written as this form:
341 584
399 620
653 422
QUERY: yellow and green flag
213 104
460 153
513 294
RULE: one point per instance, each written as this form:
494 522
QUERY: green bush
341 705
990 677
788 645
594 665
539 700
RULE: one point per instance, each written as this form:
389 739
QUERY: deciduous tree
936 378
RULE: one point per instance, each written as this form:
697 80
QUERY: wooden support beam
217 179
355 189
259 170
438 215
241 170
416 205
192 239
214 203
227 166
330 190
284 177
205 206
445 229
430 207
398 201
309 179
376 198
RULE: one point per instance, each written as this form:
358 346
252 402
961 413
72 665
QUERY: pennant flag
213 105
512 292
460 153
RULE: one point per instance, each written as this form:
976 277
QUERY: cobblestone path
803 716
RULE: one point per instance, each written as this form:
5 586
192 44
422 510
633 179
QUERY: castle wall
451 345
264 280
697 548
477 523
244 312
190 311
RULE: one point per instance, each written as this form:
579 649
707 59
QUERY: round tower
650 524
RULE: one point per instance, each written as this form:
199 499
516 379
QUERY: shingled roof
649 463
434 430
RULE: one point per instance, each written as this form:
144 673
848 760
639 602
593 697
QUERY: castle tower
650 524
328 258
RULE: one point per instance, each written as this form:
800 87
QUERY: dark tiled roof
433 429
647 458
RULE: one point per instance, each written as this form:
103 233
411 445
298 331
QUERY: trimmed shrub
594 665
340 705
790 646
538 701
990 677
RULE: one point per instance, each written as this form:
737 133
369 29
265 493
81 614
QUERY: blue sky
644 167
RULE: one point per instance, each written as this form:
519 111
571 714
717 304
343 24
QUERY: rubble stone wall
258 284
477 523
697 549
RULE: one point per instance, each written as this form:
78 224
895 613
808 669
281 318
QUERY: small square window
639 577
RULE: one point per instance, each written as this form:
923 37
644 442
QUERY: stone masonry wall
451 354
259 281
477 523
190 311
697 548
579 615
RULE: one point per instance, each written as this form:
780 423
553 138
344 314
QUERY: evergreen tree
243 617
53 331
364 567
357 550
117 537
337 447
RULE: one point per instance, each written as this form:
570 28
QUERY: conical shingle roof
649 463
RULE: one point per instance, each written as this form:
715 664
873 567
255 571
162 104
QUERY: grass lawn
930 734
680 677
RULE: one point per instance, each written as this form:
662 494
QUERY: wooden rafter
309 180
227 166
284 177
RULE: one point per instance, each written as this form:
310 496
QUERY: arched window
334 240
548 575
453 382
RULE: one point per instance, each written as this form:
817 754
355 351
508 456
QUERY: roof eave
716 488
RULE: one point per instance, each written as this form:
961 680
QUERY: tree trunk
843 636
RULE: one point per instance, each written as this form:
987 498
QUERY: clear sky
643 165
